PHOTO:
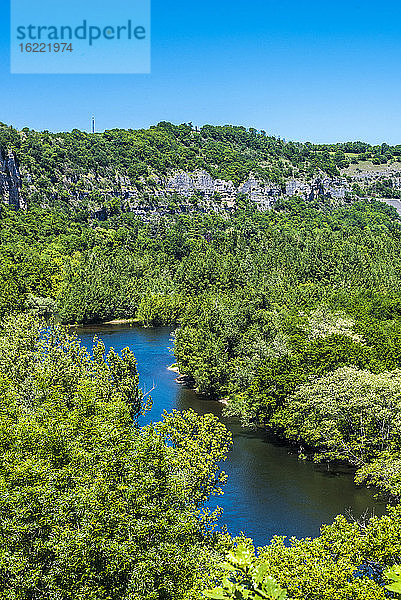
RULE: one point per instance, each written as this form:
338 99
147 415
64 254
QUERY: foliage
394 574
350 414
92 505
346 561
349 560
246 579
157 310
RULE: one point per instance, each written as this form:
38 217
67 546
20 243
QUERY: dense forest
93 506
292 315
227 152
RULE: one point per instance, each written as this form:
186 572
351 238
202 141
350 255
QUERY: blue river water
269 491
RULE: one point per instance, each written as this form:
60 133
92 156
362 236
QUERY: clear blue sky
318 71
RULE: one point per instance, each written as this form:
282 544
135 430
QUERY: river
269 491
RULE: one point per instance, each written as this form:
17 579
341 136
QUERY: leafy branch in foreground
246 579
394 574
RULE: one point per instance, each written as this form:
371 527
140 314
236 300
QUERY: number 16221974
42 47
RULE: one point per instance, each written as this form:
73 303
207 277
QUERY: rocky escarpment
10 181
335 188
183 192
263 193
178 192
370 178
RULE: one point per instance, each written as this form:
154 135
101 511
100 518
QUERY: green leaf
394 587
216 594
260 572
229 566
393 573
273 589
242 556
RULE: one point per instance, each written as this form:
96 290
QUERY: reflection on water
269 491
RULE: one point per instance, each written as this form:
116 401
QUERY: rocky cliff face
263 193
334 188
10 181
179 192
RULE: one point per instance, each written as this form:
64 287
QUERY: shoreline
121 322
187 379
106 323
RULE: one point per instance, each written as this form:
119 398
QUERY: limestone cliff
179 192
10 181
264 193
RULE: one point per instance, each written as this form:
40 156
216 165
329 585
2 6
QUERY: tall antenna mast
93 124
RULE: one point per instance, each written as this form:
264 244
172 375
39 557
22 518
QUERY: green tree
350 414
91 505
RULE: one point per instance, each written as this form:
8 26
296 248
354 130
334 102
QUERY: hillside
177 169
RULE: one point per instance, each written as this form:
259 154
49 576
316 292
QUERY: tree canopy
92 505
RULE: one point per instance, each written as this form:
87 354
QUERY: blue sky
313 71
